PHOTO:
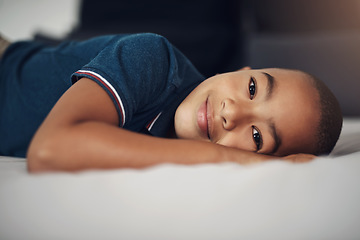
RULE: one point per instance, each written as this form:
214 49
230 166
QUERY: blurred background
321 37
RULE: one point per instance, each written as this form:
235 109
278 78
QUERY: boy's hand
299 158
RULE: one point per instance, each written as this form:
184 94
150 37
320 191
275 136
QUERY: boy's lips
202 119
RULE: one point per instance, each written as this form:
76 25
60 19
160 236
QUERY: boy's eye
256 135
252 88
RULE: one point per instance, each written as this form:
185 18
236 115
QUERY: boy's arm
81 132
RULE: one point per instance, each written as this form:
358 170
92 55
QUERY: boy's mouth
202 119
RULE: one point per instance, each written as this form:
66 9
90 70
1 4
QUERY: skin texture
81 132
233 114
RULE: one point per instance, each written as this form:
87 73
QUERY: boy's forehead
282 72
299 100
294 79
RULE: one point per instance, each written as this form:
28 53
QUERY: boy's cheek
236 141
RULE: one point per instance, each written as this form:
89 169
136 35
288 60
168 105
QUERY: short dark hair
331 120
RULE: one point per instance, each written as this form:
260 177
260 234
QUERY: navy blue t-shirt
145 76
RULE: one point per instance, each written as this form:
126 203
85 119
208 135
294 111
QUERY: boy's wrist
230 154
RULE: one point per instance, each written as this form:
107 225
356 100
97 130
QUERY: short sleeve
134 70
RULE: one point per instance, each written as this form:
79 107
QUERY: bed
272 200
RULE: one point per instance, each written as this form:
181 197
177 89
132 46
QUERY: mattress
270 200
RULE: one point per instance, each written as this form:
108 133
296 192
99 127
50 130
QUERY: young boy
136 101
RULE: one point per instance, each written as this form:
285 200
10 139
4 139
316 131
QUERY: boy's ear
245 68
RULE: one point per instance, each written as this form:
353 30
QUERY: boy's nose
234 114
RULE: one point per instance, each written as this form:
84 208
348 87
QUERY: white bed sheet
273 200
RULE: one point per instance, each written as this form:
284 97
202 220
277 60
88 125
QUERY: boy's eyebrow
275 136
270 85
270 89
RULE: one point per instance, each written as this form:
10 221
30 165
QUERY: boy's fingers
299 158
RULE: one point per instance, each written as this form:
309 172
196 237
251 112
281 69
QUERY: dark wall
321 37
304 16
207 32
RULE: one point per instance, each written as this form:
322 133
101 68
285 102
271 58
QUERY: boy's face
269 111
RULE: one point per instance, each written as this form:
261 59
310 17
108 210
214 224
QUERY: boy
129 84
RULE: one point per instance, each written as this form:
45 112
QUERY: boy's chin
189 135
